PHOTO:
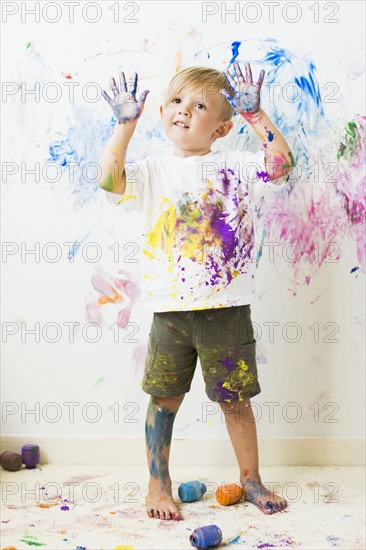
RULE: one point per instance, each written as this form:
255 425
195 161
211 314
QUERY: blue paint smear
259 255
74 249
61 151
155 132
354 269
308 85
235 540
287 68
235 50
77 154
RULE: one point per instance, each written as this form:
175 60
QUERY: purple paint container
30 455
206 537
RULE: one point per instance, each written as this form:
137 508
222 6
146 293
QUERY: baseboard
191 452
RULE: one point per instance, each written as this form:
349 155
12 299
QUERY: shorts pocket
244 351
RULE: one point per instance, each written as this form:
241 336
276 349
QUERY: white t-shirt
198 243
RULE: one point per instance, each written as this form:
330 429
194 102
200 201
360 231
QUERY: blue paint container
207 536
191 491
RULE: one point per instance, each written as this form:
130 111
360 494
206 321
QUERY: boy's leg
240 423
158 430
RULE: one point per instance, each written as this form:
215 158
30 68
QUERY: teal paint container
191 491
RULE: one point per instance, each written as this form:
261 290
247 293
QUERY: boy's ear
223 129
161 110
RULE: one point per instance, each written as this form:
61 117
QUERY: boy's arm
127 111
245 98
112 161
278 157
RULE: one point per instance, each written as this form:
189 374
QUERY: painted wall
71 261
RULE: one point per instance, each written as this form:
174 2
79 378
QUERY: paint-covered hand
124 104
246 95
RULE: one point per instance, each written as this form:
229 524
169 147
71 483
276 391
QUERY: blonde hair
205 76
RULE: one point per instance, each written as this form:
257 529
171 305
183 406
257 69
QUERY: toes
167 515
150 513
176 516
156 514
268 507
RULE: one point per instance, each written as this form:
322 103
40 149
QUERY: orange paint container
229 494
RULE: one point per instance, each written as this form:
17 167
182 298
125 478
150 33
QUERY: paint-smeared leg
240 423
158 430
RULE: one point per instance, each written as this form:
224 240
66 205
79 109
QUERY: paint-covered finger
142 97
122 82
238 72
106 97
261 78
248 74
114 87
230 79
134 84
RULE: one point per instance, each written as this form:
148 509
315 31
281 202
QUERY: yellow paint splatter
128 547
239 378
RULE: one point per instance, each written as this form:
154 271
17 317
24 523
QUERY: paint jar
191 491
11 461
229 494
207 536
30 455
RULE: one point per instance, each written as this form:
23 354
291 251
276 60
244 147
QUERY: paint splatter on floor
112 522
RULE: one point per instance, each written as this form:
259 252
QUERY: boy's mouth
181 124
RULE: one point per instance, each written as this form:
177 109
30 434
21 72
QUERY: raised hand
246 98
124 104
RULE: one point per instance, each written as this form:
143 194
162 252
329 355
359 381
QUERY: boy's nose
183 111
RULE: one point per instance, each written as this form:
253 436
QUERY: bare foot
160 503
255 492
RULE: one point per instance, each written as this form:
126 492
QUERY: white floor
102 508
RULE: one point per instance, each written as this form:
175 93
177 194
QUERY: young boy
198 274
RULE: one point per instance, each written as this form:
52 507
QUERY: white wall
322 373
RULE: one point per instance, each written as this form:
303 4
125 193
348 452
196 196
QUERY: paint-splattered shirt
198 248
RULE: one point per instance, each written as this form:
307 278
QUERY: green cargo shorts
222 338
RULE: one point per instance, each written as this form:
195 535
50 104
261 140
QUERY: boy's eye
176 100
201 106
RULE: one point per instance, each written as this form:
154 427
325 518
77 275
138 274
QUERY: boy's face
192 120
